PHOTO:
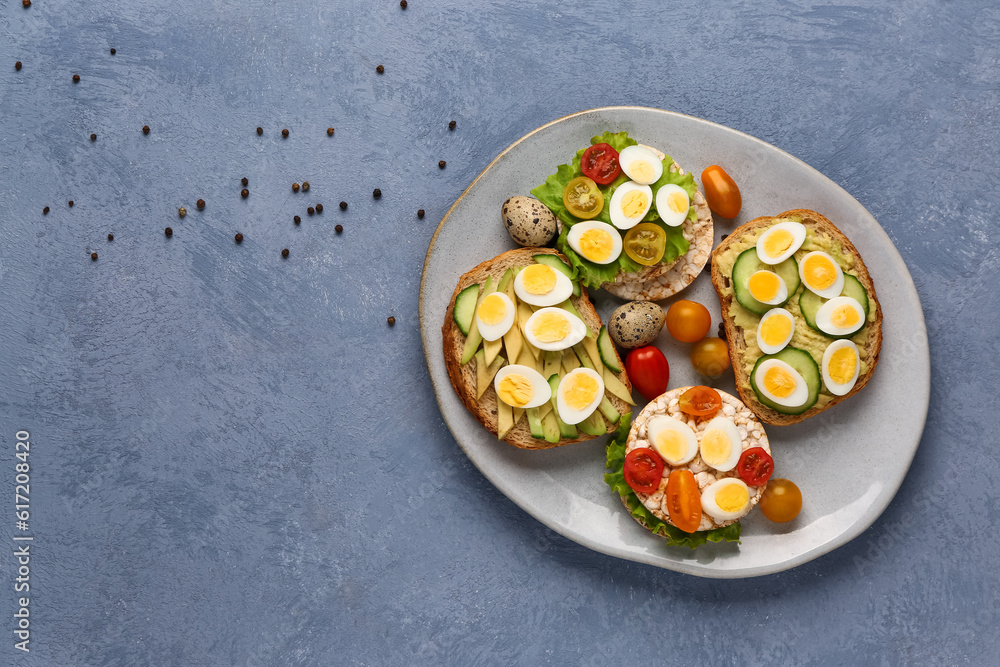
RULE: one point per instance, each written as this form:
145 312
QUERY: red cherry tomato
688 321
648 370
600 163
700 401
643 470
721 192
684 500
755 466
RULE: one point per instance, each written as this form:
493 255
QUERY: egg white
798 232
710 505
618 217
728 428
562 290
540 390
825 312
568 414
491 332
661 423
667 214
578 330
782 294
774 349
835 388
631 155
833 290
577 230
794 399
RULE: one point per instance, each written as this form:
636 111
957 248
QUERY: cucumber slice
805 365
594 424
465 308
810 303
475 339
608 410
535 423
562 267
606 349
565 430
550 427
747 264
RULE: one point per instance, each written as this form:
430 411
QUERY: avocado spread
805 337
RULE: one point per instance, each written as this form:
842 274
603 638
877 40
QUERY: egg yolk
732 498
715 447
671 445
775 329
842 365
764 285
677 202
596 245
844 317
515 390
634 203
492 310
819 272
581 391
778 242
538 279
641 171
550 327
779 382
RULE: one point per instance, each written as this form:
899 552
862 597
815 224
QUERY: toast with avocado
801 315
527 354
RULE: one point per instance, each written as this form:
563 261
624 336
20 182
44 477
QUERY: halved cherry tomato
700 401
710 357
684 500
755 466
600 163
721 192
781 500
643 470
583 198
688 321
645 243
648 370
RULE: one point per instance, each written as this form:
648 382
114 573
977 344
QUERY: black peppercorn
402 3
145 129
329 131
26 3
284 133
305 186
724 237
442 164
45 211
238 238
200 204
71 203
343 206
244 193
168 231
17 65
376 193
338 228
420 213
319 208
296 220
113 52
76 78
260 131
93 137
93 256
451 125
310 210
245 181
722 331
380 69
111 237
295 187
284 253
391 321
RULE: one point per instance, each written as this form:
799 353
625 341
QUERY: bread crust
734 334
463 378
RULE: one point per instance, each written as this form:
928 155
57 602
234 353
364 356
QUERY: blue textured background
236 461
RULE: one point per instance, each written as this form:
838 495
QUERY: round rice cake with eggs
750 433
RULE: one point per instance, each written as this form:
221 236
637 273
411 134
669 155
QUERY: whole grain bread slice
463 377
721 280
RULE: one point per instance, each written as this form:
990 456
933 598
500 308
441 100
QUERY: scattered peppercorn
245 181
200 204
451 125
145 129
329 131
376 193
111 237
45 211
93 137
17 65
297 220
295 187
442 164
244 193
26 3
310 210
260 131
338 228
76 78
343 206
113 51
420 213
722 331
71 203
319 208
182 211
402 3
284 133
380 69
168 231
391 321
284 253
238 238
93 256
305 186
724 237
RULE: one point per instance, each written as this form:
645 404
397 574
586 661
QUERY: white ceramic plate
848 461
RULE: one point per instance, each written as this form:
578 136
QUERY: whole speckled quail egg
528 221
635 324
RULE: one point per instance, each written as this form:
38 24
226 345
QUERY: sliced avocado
606 348
465 308
565 430
594 424
504 279
474 338
568 305
584 358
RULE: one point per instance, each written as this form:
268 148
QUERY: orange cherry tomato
688 321
721 192
684 500
781 501
583 198
710 357
700 401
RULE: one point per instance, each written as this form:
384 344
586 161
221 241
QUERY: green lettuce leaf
550 193
675 536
